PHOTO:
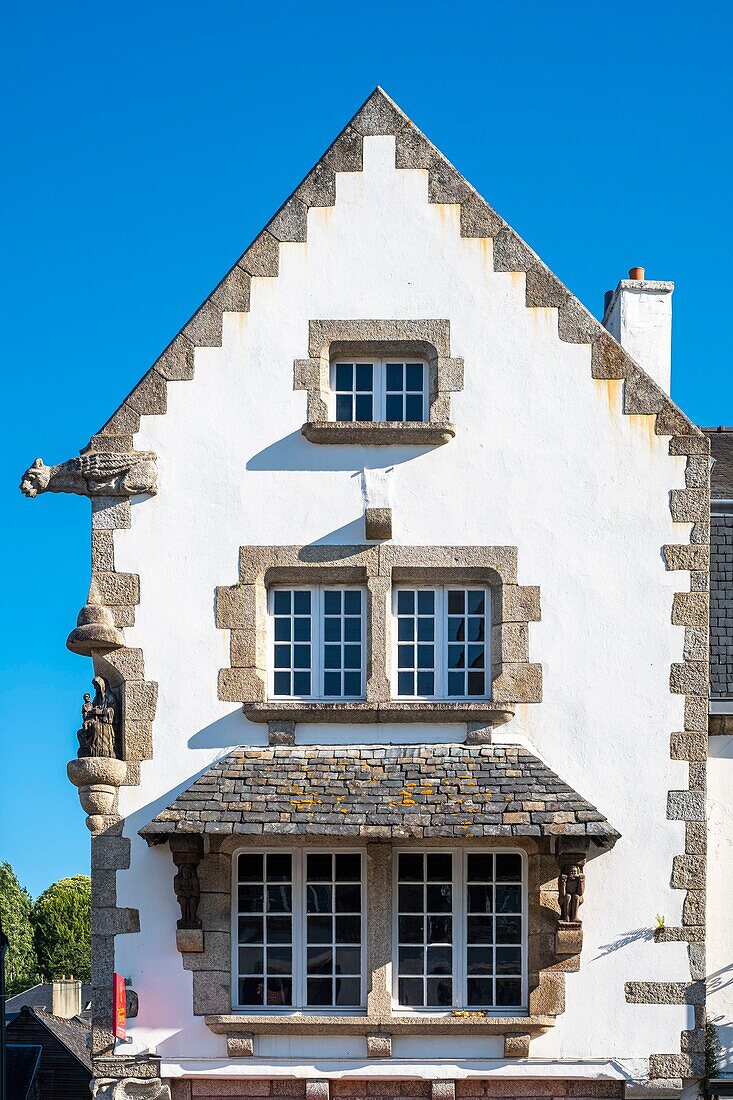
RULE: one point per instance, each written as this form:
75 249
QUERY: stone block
240 1044
445 183
510 642
511 253
204 328
688 746
693 908
697 960
478 219
443 1090
262 258
676 1065
520 604
319 186
688 872
379 1045
122 664
190 940
236 1086
346 153
544 290
317 1089
608 359
548 996
686 805
103 551
689 505
212 994
516 1044
236 606
241 685
140 700
124 421
671 420
642 395
115 921
110 514
689 678
413 150
694 443
138 740
176 362
664 993
118 588
217 953
575 324
149 398
280 732
378 523
104 889
233 292
180 1088
379 116
568 938
110 853
518 683
696 838
684 556
215 873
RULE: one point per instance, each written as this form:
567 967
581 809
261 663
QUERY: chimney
65 998
639 314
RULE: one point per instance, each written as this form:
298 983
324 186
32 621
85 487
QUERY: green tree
61 919
21 964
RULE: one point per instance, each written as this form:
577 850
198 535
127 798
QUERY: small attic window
380 390
379 383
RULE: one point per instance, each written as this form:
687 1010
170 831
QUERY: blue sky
146 143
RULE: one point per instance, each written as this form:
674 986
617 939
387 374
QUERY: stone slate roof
41 996
74 1034
721 449
382 791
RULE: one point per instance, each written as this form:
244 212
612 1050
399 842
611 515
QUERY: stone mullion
379 931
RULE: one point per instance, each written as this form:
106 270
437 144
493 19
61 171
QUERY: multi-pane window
380 390
441 644
333 928
460 930
298 929
317 643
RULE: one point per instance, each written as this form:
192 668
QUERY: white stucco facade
543 459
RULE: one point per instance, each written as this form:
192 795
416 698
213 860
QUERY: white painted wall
720 895
543 460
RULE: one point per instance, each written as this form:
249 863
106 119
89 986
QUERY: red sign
119 1007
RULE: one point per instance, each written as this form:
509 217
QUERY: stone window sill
486 712
410 1024
372 433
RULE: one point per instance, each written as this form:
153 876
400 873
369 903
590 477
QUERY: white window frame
317 641
459 913
441 642
379 387
299 939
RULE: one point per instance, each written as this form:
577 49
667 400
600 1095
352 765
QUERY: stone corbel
570 896
95 474
187 852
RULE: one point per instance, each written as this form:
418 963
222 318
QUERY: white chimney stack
639 314
65 998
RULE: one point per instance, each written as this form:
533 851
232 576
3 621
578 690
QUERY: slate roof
382 791
721 449
74 1034
41 996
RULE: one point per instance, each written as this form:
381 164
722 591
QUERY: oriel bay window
317 642
298 930
441 642
460 930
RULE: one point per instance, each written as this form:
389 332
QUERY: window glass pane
344 377
364 377
405 387
264 953
424 928
494 971
363 407
466 657
292 654
393 407
343 652
416 620
333 942
344 408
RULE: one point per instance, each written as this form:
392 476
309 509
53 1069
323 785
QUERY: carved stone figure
101 473
188 891
97 736
570 888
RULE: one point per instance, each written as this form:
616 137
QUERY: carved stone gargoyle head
36 478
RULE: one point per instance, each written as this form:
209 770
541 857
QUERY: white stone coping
399 1068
